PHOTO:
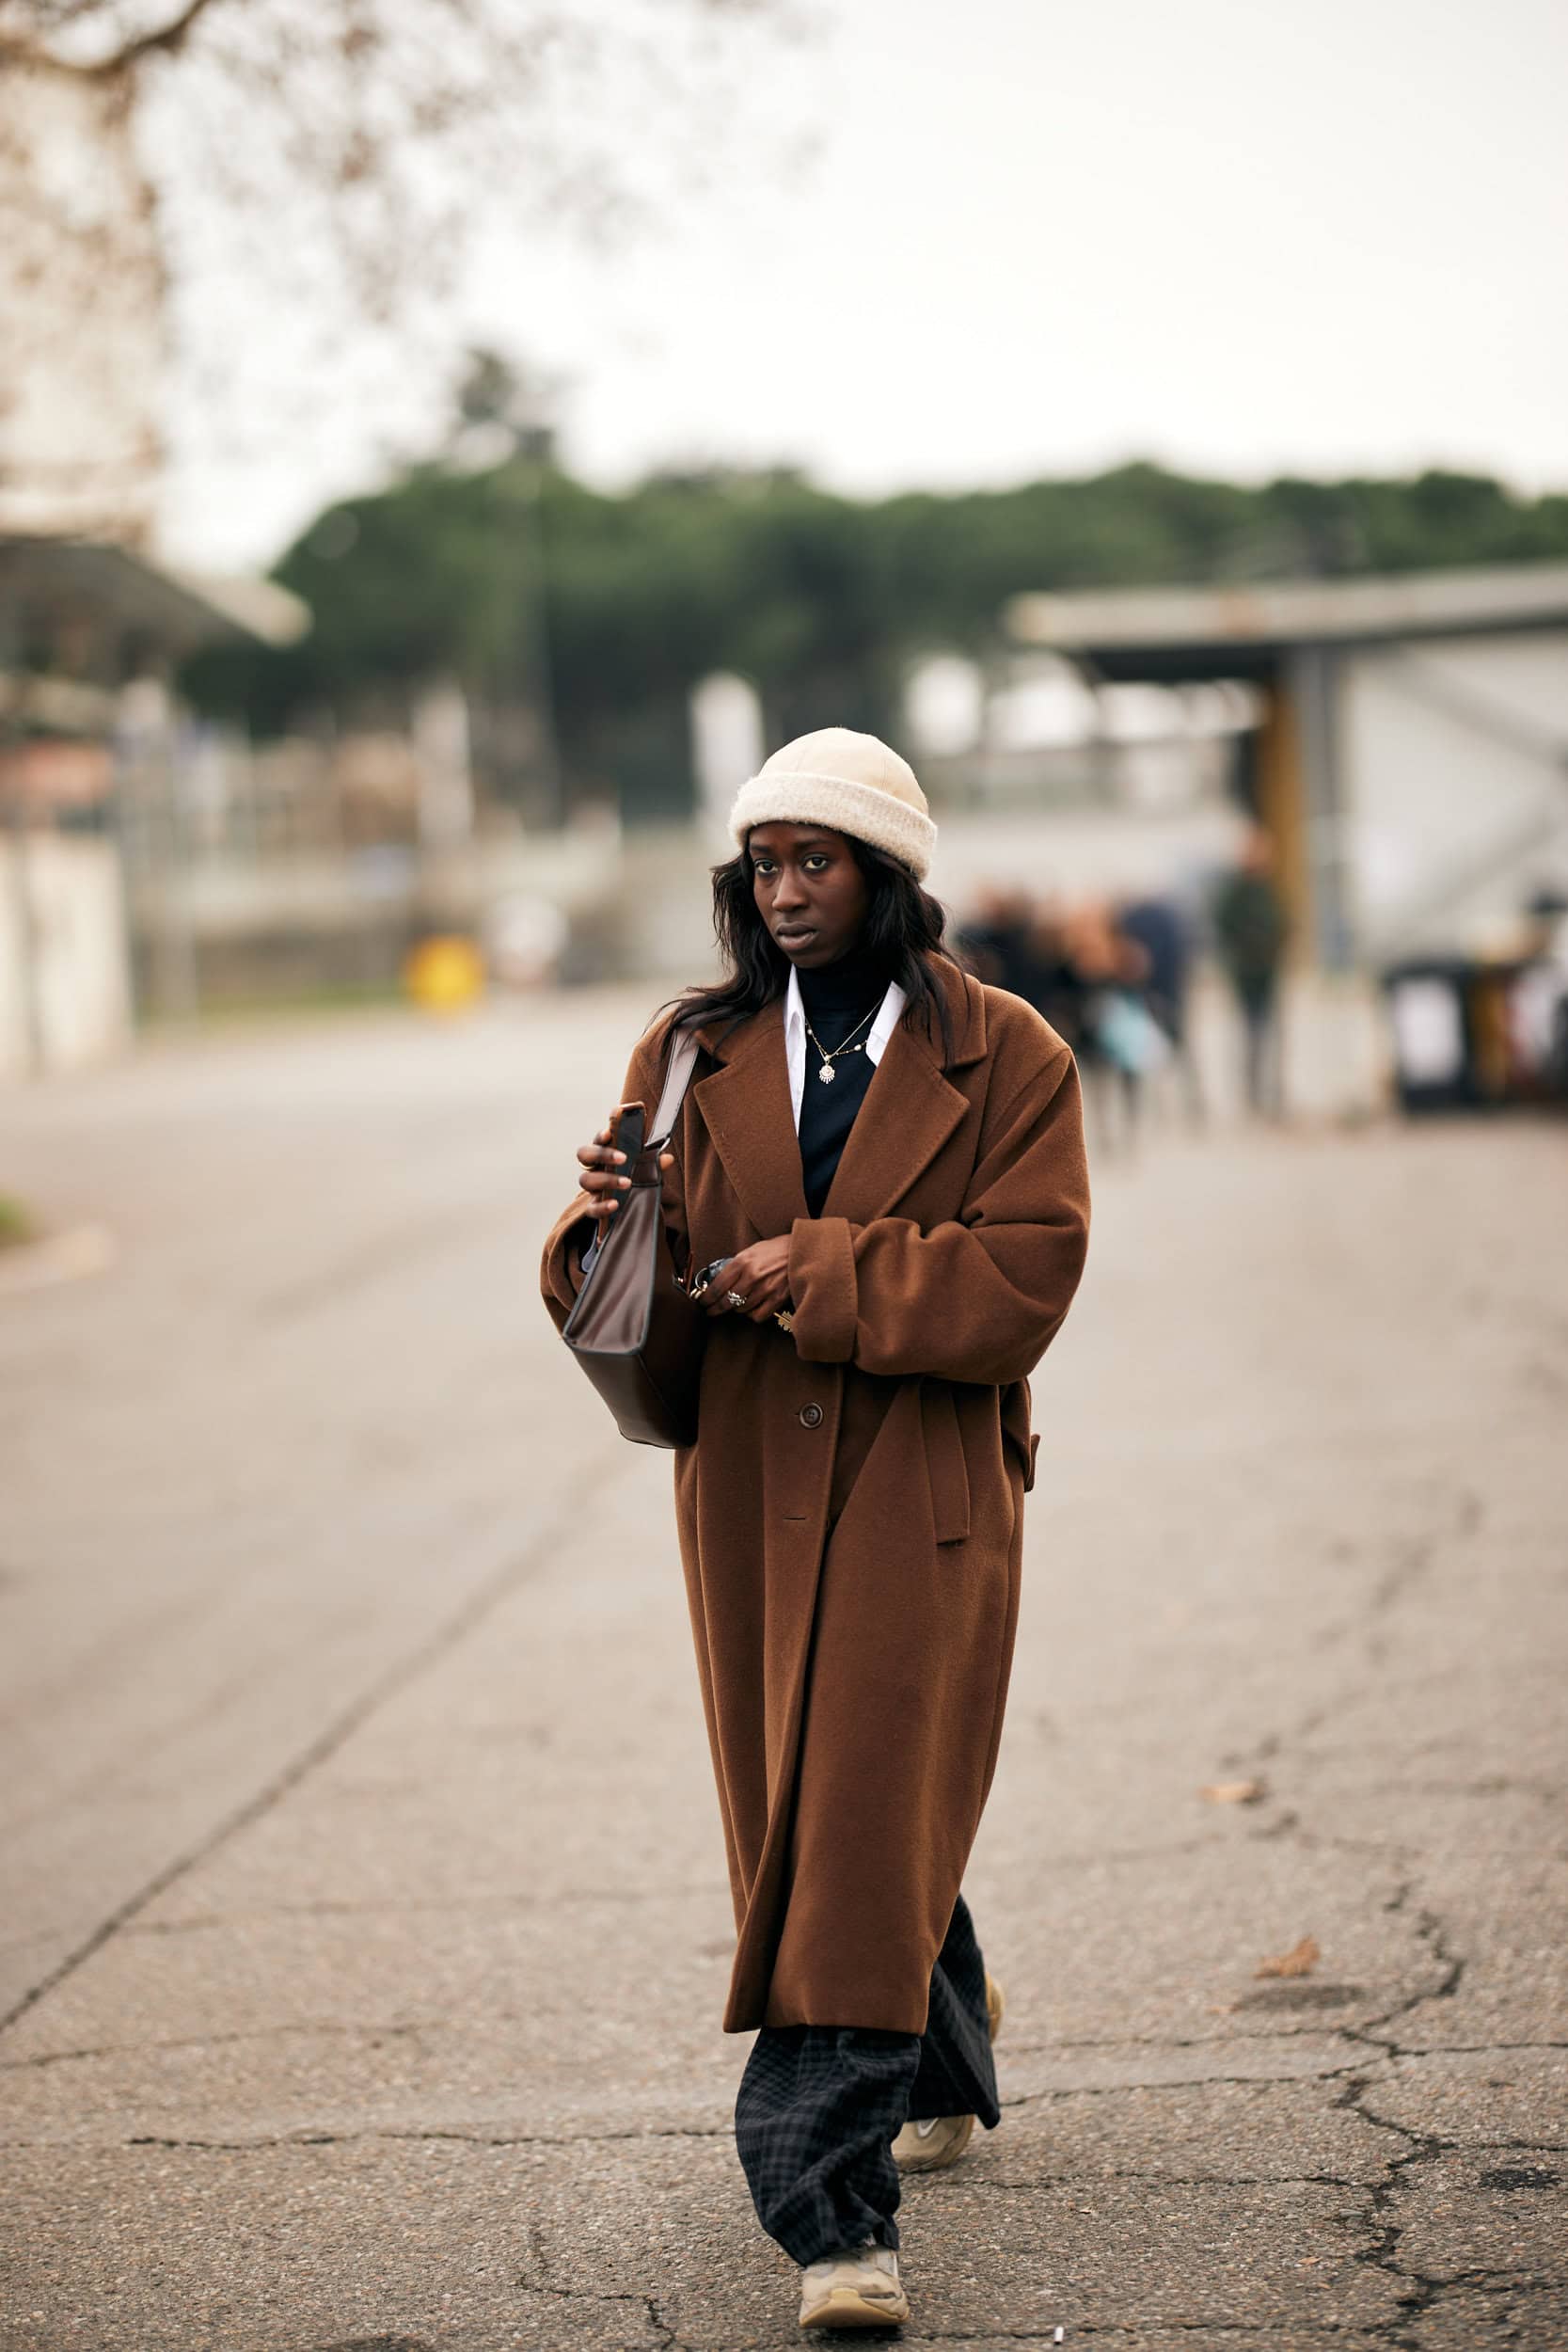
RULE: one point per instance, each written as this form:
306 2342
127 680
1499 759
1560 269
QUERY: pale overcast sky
1235 236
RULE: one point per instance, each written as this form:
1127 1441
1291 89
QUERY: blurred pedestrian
1118 1044
1160 928
1014 941
1060 996
1250 932
879 1170
996 938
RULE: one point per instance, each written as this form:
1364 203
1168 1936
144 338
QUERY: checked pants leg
820 2107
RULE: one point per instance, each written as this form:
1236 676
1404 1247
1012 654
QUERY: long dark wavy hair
903 931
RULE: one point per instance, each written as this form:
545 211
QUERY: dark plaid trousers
821 2105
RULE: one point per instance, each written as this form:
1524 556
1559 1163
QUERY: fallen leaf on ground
1235 1792
1299 1961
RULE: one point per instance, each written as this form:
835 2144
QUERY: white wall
80 971
1457 793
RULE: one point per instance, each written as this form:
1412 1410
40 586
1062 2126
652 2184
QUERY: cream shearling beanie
852 782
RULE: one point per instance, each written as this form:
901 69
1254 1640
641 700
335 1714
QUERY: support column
1282 806
1313 683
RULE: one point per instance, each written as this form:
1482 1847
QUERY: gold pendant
826 1073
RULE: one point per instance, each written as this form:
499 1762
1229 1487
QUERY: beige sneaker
939 2141
934 2143
858 2288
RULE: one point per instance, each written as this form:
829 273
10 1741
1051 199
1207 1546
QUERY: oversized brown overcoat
850 1517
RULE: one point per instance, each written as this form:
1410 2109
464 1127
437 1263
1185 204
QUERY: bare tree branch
323 173
167 40
33 46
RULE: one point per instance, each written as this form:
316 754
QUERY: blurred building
90 638
82 297
98 784
1411 755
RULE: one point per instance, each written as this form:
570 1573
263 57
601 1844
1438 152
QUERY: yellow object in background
444 974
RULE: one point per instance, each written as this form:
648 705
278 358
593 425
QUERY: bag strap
683 1058
677 1077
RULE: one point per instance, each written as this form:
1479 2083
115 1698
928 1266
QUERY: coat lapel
909 1113
746 1108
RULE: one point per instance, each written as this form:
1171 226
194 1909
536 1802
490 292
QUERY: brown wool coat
850 1517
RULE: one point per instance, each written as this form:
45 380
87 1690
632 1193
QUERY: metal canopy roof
179 612
1245 629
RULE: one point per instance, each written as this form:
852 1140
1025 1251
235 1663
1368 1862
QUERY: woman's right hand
603 1174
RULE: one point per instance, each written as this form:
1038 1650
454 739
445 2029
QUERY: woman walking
888 1158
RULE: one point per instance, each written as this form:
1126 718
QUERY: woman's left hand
759 1274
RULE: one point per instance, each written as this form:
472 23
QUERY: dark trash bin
1468 1035
1428 1017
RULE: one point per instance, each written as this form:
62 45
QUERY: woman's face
809 890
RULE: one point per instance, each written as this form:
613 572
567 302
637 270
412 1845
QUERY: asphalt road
365 1929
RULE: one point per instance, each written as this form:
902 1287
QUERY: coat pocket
1016 1431
947 1472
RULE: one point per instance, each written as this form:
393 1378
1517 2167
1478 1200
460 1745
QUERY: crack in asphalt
429 2134
1178 2041
400 1907
1196 2082
1472 2049
411 2030
1374 2043
1177 2180
487 1595
1416 2291
533 2280
372 2034
1286 2329
416 2134
665 2339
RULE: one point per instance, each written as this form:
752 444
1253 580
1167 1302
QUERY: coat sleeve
561 1267
979 1298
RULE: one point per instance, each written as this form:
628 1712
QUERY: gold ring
734 1298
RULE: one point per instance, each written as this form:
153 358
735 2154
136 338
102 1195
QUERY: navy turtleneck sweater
840 999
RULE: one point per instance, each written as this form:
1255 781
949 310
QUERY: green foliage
17 1224
819 599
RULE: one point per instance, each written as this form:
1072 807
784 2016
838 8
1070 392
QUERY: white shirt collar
795 1033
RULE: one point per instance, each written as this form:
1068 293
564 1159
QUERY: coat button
811 1416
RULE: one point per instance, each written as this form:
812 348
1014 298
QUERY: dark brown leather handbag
635 1328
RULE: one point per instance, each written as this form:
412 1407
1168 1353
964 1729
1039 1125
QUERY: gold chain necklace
826 1073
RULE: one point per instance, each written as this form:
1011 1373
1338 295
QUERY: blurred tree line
539 593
